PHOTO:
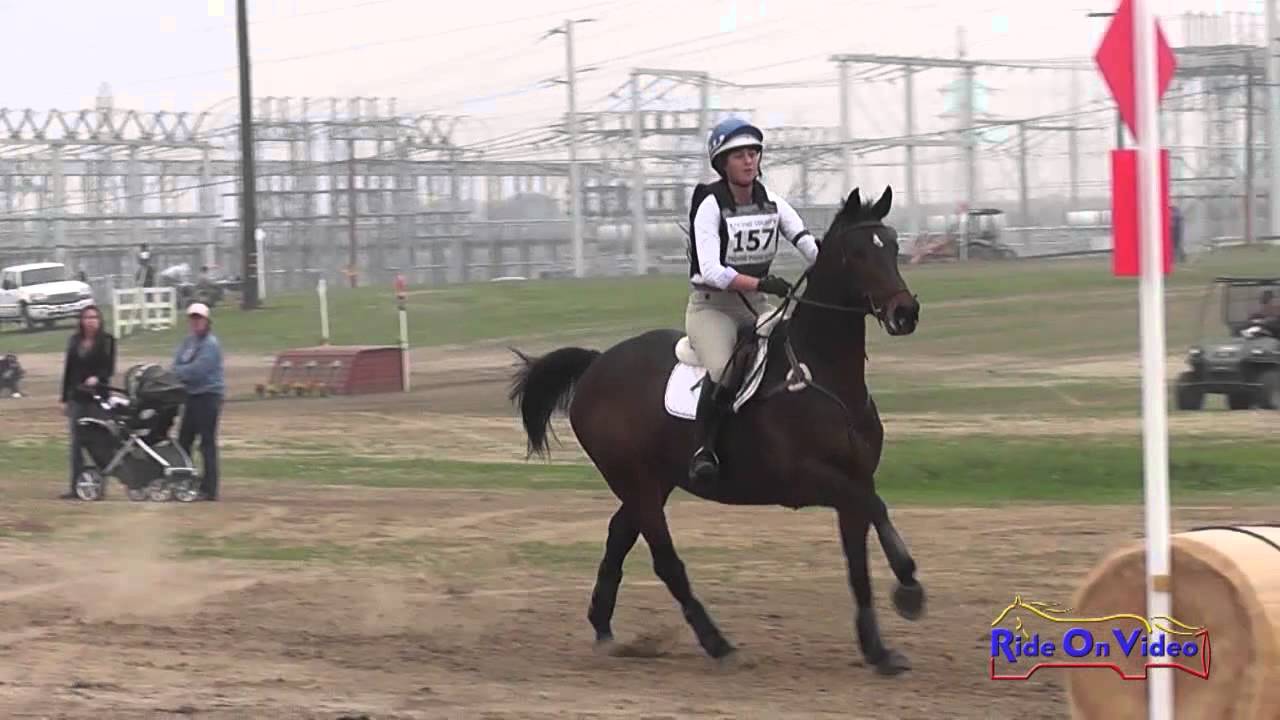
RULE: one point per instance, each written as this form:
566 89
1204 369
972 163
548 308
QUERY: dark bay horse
818 446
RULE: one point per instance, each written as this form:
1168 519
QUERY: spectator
198 363
1175 223
146 274
11 373
89 363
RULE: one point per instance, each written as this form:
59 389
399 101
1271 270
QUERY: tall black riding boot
705 466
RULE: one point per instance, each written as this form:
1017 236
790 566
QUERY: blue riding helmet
731 134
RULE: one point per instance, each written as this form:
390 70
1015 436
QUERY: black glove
774 285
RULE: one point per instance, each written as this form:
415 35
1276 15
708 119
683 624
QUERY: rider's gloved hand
774 285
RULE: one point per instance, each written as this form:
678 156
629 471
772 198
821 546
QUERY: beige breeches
712 319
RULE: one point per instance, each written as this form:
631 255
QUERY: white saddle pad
684 385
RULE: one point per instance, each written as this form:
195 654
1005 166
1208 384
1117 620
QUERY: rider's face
742 165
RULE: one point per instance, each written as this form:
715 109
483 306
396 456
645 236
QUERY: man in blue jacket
1175 230
198 363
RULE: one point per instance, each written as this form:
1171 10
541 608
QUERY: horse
813 438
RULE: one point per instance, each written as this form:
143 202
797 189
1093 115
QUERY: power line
519 52
543 138
381 43
639 53
266 21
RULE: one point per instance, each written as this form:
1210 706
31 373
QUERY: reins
798 376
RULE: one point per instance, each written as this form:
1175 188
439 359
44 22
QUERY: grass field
392 556
1036 307
971 470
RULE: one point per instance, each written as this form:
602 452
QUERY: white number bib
753 238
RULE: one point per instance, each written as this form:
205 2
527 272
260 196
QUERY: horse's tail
544 384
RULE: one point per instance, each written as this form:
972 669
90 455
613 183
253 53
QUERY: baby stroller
127 437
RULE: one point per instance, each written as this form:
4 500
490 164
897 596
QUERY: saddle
744 357
742 378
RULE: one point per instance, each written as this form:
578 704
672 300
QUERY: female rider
735 224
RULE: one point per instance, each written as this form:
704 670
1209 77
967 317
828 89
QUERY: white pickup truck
41 293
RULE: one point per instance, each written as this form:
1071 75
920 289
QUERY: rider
1267 316
735 224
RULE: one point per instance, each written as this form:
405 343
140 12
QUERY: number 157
753 239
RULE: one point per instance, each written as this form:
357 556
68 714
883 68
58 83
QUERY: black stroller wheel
89 485
160 493
187 491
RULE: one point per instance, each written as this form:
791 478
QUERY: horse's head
858 263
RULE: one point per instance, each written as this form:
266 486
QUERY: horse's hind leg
854 525
622 537
670 569
908 597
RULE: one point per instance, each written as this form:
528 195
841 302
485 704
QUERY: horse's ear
853 203
883 204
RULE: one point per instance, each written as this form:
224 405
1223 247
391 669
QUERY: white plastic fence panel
147 308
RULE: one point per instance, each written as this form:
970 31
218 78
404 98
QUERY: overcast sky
180 54
487 58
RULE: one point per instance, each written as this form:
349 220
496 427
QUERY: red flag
1125 230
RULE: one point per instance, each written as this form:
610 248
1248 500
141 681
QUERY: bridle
798 375
868 306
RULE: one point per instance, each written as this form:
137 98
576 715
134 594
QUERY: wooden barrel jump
1225 579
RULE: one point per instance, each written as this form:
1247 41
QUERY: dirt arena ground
471 604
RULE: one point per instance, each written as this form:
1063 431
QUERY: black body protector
749 233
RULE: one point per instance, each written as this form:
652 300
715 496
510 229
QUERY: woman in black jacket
90 361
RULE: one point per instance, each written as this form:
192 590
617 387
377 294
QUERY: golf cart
203 288
979 228
1243 364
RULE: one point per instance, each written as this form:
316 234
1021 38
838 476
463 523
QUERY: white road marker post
322 289
401 296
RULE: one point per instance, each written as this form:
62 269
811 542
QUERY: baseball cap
198 309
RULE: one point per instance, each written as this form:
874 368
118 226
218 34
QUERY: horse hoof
604 644
721 649
731 660
893 663
908 600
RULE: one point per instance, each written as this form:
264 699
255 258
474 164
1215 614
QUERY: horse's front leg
854 524
908 597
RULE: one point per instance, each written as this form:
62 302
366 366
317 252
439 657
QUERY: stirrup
704 464
705 454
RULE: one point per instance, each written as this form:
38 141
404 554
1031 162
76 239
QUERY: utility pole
1024 178
1073 142
970 148
639 219
1024 200
846 133
1248 149
913 208
963 134
1273 117
249 299
575 182
351 210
